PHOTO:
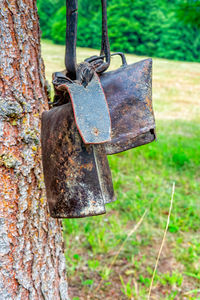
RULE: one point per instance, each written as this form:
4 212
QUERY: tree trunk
31 245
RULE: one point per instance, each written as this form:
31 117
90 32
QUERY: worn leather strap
105 46
71 38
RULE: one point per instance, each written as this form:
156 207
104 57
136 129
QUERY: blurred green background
159 28
143 176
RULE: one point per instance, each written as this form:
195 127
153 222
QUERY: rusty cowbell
76 171
95 113
77 176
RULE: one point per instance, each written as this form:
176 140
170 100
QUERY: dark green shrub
144 27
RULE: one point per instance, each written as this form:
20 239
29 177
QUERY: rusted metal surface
77 176
128 92
104 173
90 110
93 116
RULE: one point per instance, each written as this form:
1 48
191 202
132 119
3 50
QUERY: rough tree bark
31 246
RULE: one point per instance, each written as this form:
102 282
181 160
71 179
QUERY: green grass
142 180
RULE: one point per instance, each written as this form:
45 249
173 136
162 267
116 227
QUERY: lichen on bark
31 245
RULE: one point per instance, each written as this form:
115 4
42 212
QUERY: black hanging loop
71 37
99 59
105 46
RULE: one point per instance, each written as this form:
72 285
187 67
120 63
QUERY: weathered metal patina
90 108
128 92
76 132
77 176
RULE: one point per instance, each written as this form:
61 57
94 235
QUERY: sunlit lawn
143 180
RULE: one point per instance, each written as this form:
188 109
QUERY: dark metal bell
128 92
77 176
95 113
